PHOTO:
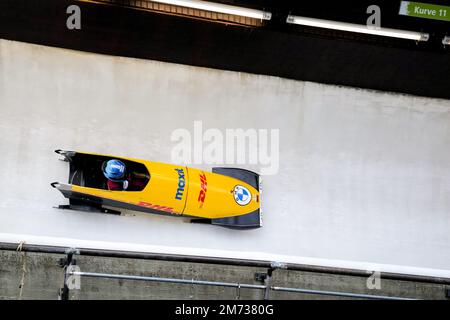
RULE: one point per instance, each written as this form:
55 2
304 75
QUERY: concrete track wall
363 179
43 278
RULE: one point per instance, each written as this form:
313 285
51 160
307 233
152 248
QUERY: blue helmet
114 170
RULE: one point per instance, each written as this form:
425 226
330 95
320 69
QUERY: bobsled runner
228 197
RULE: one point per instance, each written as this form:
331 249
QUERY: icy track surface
364 178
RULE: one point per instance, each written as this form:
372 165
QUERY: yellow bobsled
226 197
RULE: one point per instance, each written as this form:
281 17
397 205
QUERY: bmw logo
242 195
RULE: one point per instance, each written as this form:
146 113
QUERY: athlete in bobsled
119 179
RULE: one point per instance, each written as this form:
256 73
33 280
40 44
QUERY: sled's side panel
249 177
247 221
71 193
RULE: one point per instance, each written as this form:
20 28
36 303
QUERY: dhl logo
156 207
202 194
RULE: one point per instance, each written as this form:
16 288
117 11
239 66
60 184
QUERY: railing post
65 263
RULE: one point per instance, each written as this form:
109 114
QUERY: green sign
424 10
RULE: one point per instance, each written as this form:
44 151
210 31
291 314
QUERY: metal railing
233 285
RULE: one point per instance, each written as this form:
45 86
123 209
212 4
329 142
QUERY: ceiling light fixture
220 8
336 25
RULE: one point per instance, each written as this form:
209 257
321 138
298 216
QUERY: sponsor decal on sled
242 195
181 184
155 206
202 194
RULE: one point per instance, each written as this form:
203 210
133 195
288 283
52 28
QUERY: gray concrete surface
43 278
363 180
40 273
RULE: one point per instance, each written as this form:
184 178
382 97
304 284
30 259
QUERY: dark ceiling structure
273 48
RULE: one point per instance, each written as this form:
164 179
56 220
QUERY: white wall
364 177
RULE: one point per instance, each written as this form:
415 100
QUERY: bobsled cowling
226 197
